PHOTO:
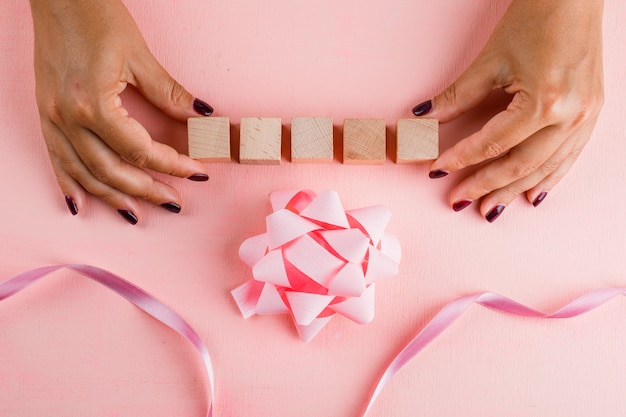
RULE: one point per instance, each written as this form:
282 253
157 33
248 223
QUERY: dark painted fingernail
438 173
461 204
202 108
173 207
494 213
198 177
129 216
423 108
71 204
542 196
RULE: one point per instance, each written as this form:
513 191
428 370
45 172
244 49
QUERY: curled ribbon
316 260
442 321
141 299
452 311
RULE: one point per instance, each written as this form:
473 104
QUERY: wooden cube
209 138
418 140
311 139
364 141
260 141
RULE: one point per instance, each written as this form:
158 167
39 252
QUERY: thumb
164 92
471 88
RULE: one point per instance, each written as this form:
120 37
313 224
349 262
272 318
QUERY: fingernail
461 204
438 173
71 204
423 108
202 108
172 207
494 213
198 177
540 198
129 216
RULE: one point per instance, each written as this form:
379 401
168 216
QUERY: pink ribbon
132 293
452 311
442 321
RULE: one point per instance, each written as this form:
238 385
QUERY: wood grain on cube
311 139
260 141
418 140
364 141
209 138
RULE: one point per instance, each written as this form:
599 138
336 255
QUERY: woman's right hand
86 53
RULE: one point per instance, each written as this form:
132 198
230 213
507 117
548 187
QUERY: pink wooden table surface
71 348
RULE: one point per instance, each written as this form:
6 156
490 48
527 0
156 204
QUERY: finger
504 131
73 173
108 168
470 89
493 204
538 192
524 160
129 139
71 189
163 91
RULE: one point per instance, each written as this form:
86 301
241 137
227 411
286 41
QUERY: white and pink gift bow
316 260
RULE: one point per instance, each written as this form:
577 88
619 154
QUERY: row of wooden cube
364 140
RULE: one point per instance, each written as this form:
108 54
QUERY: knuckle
587 109
85 112
583 111
549 166
548 108
580 116
54 113
138 157
51 148
523 169
482 189
93 187
107 196
549 104
68 163
76 103
575 153
558 104
450 95
64 112
143 194
457 163
103 175
145 190
177 93
147 193
71 169
491 149
48 104
175 168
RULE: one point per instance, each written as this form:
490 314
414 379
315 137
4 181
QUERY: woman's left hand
548 55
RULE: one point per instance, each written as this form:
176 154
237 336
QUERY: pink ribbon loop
140 298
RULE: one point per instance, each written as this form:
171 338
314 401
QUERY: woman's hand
548 55
86 53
